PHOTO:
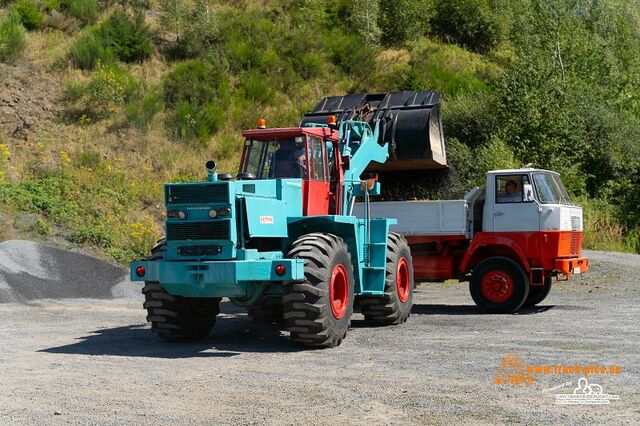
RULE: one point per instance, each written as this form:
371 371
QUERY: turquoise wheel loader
280 239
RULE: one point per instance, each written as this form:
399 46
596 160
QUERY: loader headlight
213 214
177 213
225 211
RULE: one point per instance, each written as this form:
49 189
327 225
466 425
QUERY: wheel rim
497 286
339 291
402 280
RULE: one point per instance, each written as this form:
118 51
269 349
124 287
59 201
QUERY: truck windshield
550 189
274 159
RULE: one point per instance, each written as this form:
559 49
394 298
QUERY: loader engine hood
211 220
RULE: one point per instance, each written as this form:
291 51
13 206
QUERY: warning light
331 120
262 123
140 271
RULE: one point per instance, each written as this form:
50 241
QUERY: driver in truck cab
510 193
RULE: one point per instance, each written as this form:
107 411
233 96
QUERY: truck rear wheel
268 309
394 307
499 285
318 310
538 293
178 318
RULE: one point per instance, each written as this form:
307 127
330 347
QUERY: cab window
509 188
317 159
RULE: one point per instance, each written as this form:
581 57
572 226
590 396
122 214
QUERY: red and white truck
508 239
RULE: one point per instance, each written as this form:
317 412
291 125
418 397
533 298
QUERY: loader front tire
176 318
267 310
317 311
394 306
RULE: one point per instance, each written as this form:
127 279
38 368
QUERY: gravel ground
71 360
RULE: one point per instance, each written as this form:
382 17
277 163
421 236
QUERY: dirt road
85 361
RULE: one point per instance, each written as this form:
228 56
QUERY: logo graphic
512 370
585 393
266 220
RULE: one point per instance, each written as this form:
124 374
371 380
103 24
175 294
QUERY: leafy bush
12 38
403 20
29 14
470 23
86 11
140 110
196 93
194 24
129 39
89 49
110 85
363 18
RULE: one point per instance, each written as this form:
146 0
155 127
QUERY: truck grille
197 194
213 230
575 223
575 243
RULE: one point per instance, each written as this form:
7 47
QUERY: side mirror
527 195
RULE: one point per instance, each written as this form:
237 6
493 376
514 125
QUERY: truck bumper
576 265
233 278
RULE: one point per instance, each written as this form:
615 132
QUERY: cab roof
290 132
521 170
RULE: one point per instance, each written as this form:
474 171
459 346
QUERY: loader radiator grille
197 194
213 230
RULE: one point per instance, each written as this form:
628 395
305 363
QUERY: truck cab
533 208
509 239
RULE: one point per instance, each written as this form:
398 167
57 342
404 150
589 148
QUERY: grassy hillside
103 101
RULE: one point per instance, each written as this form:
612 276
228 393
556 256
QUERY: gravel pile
31 271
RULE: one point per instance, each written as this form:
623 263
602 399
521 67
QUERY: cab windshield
550 189
274 159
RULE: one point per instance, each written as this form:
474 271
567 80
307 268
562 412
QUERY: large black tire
537 293
268 310
499 285
310 315
177 318
394 306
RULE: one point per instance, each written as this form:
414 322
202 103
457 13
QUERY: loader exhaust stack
410 122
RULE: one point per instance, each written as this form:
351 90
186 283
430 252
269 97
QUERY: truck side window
509 188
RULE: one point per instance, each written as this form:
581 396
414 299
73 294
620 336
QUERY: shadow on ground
232 335
470 310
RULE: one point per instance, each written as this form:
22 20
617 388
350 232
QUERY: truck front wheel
499 285
318 310
538 293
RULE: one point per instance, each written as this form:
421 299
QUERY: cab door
511 213
316 186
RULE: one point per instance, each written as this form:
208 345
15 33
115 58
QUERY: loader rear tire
267 310
538 293
176 318
499 285
394 306
318 310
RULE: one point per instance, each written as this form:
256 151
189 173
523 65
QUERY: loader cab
293 153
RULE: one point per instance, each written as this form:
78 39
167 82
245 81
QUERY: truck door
511 213
316 186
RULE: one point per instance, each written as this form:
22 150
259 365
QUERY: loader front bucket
410 122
